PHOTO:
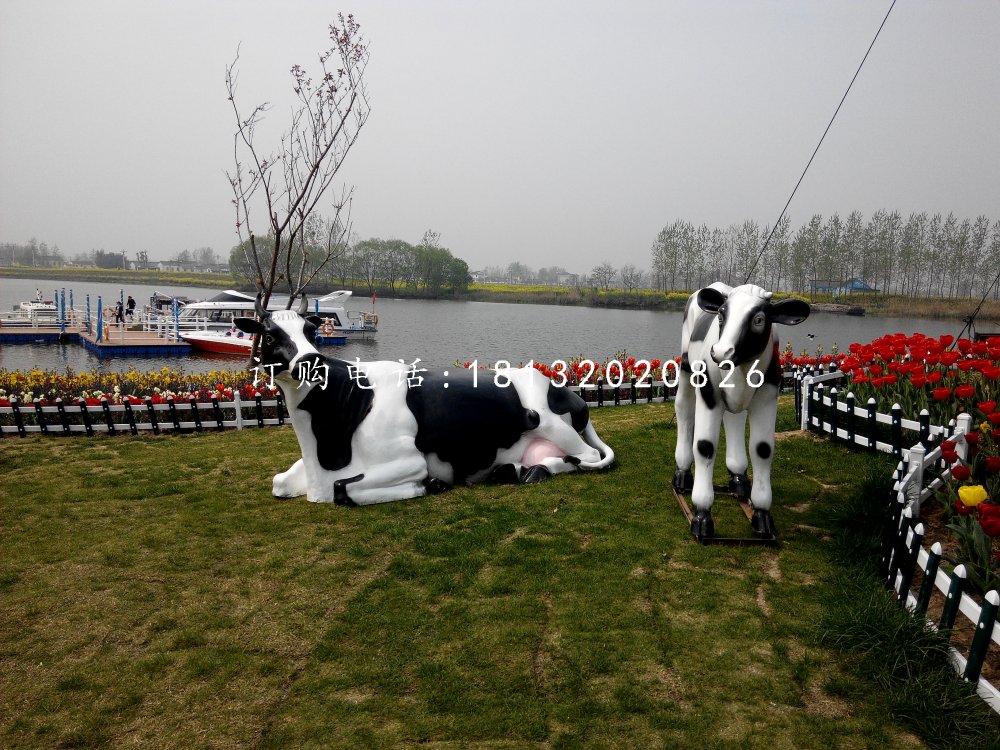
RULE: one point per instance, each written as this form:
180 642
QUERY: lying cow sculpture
372 432
730 368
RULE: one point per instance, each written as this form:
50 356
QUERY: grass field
154 594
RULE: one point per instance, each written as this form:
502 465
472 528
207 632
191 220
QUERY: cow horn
259 307
303 305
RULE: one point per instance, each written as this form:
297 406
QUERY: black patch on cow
706 449
564 401
773 373
701 326
685 363
468 421
707 392
750 345
764 450
572 460
335 411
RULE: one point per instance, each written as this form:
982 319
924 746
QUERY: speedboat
235 341
217 313
220 342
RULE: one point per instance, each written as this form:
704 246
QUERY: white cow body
730 370
373 432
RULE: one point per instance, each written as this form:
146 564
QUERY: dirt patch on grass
763 604
818 703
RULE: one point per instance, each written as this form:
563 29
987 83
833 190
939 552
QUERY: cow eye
269 339
759 320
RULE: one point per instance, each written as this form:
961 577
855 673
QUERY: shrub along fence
822 408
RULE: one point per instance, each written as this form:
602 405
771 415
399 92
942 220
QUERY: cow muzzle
723 352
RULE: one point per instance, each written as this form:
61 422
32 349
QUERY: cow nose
721 353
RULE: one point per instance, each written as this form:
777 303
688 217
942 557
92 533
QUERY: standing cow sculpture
730 368
373 432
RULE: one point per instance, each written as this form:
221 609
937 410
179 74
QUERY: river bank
641 299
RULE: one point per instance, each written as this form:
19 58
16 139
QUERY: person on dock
130 308
38 294
119 313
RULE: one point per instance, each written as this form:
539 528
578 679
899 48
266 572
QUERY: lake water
441 332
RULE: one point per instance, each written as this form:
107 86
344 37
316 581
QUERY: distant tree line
929 255
377 263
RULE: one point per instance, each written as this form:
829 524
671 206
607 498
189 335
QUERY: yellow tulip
972 495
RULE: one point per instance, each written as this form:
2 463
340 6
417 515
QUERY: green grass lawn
154 594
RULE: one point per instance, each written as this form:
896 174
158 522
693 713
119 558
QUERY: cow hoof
739 485
534 474
683 481
340 496
702 525
762 524
504 474
436 486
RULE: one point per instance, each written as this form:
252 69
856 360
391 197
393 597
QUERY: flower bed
131 386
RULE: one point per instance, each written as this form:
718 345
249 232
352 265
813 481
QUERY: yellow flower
972 495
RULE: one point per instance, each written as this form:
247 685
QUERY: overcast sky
551 133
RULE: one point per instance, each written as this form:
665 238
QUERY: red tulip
962 509
993 463
989 518
986 406
960 472
972 438
994 418
949 358
949 456
965 391
941 394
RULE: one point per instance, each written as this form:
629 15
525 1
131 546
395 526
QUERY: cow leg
399 479
763 411
291 483
706 440
736 453
684 408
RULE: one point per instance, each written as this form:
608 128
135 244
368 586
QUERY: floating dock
119 342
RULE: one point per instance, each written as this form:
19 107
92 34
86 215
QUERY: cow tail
607 455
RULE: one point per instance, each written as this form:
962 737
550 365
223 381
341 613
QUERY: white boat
217 313
38 307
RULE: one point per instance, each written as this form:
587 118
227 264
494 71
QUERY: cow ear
710 300
789 312
249 325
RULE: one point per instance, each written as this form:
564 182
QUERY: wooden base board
723 492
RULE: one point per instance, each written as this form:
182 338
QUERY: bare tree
631 277
603 274
275 193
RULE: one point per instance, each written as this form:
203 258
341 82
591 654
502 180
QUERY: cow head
285 335
745 318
